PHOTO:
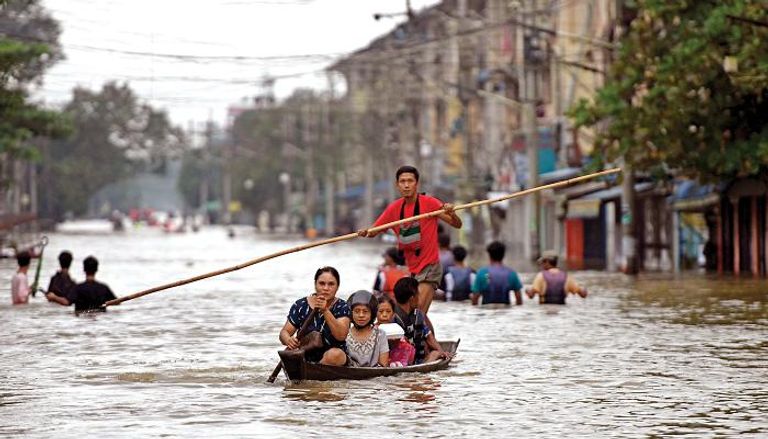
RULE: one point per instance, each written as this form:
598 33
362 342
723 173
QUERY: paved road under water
652 357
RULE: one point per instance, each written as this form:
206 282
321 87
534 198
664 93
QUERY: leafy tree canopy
28 46
669 102
114 136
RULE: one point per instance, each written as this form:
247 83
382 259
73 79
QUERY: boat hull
298 369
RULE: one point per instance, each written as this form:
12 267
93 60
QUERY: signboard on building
583 208
547 155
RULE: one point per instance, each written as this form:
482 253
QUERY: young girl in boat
386 312
367 345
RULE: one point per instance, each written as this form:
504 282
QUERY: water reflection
420 390
312 391
701 300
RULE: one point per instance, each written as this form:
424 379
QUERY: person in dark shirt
91 294
61 283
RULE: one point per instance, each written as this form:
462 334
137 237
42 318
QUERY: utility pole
530 125
630 264
330 168
628 241
226 181
205 169
466 87
309 168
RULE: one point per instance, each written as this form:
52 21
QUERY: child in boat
386 312
413 322
367 345
401 352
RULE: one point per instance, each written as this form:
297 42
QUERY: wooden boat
299 369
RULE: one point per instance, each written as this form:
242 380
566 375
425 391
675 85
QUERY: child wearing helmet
367 344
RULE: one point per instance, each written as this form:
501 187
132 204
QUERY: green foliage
670 104
114 137
258 140
28 45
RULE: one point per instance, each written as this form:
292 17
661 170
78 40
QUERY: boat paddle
302 332
354 235
43 243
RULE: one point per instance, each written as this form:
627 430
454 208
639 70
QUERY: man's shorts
432 273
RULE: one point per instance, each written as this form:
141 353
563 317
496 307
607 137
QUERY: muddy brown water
656 356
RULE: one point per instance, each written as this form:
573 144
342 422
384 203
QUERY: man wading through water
418 239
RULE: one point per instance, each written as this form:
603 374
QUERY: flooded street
657 356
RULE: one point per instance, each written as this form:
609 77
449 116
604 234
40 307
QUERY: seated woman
367 344
330 317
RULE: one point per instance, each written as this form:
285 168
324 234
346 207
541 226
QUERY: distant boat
86 227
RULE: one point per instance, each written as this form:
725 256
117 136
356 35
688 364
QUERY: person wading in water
552 284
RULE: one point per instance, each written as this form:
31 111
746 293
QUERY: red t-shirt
418 241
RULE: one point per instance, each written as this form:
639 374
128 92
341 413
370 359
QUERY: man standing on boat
552 284
417 240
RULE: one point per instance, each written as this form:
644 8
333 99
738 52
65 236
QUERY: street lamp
408 13
285 180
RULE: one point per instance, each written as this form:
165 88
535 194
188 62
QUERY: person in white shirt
19 282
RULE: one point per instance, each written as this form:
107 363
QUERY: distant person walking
390 272
445 253
496 281
61 284
552 284
19 281
459 278
418 239
90 294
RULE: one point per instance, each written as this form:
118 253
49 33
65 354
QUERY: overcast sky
195 58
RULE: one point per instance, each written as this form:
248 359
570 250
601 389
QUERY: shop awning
588 206
559 175
691 196
358 191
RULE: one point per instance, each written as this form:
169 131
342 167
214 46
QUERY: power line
185 57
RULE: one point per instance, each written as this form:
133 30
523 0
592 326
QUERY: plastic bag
402 354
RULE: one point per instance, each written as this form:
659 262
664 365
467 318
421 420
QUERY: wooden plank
719 216
754 252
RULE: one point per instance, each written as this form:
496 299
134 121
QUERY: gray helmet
363 297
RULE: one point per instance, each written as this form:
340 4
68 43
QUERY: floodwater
653 357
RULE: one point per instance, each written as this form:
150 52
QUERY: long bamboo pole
353 235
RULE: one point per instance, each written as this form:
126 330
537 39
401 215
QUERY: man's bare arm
450 217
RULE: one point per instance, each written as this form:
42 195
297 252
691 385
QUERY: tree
257 148
28 46
115 136
669 102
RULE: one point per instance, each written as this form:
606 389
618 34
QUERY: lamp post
285 180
